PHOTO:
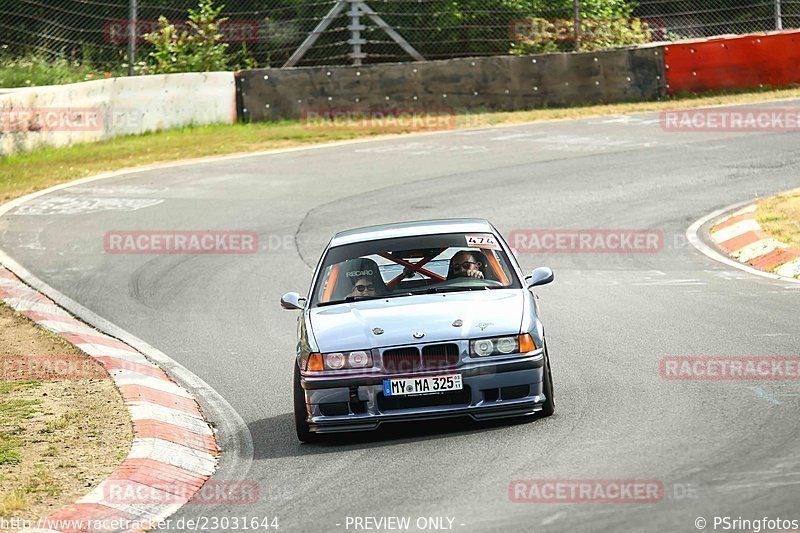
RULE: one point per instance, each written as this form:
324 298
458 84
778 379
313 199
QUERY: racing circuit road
720 447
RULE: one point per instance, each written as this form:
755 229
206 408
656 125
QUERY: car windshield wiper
351 299
431 290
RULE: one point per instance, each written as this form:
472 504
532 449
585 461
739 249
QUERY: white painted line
201 463
749 209
734 230
99 350
693 237
26 304
114 492
129 377
129 361
152 512
73 326
757 249
151 411
790 269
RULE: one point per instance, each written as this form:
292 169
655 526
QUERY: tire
549 406
301 426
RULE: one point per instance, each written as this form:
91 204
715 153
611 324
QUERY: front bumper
492 389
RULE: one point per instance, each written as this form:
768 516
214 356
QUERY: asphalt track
724 448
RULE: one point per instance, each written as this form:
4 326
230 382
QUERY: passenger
467 265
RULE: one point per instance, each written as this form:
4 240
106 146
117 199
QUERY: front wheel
549 405
301 412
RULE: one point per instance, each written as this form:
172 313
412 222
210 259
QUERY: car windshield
405 266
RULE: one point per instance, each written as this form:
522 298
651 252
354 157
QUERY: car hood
352 326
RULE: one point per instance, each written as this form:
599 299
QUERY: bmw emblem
418 335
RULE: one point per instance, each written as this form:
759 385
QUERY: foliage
33 69
195 48
603 24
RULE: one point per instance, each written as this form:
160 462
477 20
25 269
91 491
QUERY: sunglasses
465 265
362 288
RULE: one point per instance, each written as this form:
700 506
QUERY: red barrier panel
740 62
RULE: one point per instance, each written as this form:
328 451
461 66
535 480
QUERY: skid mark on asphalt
418 148
70 205
574 143
764 395
627 120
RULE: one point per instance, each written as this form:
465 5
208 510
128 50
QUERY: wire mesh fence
269 32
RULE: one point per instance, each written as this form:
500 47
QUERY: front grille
401 359
435 356
390 403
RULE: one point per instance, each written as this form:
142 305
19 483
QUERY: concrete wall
503 83
97 110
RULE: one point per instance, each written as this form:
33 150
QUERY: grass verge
58 438
24 173
780 217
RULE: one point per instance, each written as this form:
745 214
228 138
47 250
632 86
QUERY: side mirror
540 276
292 300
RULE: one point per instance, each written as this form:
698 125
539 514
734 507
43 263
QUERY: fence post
132 18
355 28
778 16
576 20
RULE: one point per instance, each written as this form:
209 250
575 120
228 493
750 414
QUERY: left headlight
501 345
347 360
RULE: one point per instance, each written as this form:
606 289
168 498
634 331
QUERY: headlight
359 359
483 347
501 345
506 344
344 360
334 361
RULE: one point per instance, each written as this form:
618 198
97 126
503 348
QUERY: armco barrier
97 110
503 83
739 62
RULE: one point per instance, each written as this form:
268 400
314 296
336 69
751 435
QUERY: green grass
37 69
9 454
7 387
12 412
24 173
17 410
780 217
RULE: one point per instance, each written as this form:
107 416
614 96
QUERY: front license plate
426 385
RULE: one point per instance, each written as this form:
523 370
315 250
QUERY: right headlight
501 345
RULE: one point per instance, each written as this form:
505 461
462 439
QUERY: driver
363 287
466 265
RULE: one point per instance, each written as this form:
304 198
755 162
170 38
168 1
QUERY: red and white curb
174 450
741 237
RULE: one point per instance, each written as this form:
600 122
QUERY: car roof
411 229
